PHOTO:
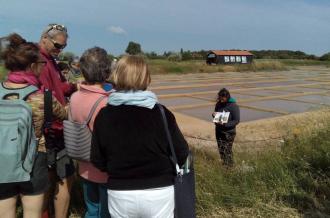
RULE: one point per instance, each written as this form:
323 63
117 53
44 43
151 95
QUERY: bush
325 57
174 57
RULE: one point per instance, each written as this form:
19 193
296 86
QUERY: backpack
78 136
18 143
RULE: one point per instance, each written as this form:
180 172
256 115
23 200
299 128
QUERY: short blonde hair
131 73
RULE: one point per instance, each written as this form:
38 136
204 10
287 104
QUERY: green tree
133 48
325 57
186 55
151 55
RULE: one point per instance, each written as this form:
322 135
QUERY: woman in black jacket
225 129
130 144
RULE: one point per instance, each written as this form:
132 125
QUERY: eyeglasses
58 27
56 44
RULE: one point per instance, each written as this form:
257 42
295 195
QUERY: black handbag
184 182
56 153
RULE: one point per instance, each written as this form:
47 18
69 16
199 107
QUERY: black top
130 144
234 116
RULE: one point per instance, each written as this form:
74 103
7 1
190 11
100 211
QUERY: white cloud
116 30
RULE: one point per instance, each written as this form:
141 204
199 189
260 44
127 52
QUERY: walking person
95 67
130 144
24 63
226 131
53 40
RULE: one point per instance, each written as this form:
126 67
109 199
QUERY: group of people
130 172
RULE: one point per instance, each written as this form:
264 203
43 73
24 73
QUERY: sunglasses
56 44
58 27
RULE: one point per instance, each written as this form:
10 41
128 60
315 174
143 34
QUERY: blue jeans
96 199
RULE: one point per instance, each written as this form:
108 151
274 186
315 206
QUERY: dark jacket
130 144
234 116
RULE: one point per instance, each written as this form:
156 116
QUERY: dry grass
164 66
274 210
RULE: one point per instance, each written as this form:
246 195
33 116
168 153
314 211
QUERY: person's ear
33 67
43 39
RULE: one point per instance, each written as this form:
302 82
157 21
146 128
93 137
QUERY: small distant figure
107 86
74 67
113 64
226 116
65 69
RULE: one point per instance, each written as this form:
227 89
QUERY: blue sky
168 25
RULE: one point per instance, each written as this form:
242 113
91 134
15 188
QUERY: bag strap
169 139
91 112
48 108
93 109
21 93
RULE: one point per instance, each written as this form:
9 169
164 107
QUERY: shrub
325 57
174 57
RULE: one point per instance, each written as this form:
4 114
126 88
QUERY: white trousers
147 203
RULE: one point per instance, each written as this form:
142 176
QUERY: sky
169 25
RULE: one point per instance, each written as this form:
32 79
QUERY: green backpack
18 143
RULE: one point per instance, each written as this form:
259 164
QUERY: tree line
134 48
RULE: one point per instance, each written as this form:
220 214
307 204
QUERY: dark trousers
225 142
96 199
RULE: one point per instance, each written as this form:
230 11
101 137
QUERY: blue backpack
18 143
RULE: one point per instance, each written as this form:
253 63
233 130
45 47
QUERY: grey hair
53 32
95 65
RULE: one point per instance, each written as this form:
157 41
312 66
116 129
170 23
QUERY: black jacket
234 116
130 144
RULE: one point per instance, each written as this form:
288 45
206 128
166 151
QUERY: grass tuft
297 178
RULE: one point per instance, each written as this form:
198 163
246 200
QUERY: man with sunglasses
53 40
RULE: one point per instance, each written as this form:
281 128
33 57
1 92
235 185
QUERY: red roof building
229 57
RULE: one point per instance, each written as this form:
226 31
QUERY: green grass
297 179
297 62
161 66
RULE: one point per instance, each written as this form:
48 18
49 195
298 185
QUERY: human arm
97 151
60 112
180 145
235 117
215 110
